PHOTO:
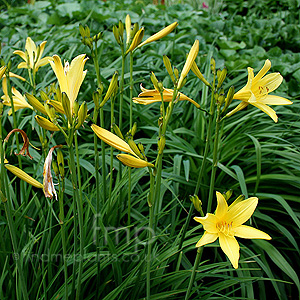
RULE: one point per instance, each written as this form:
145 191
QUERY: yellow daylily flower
33 55
189 62
112 139
162 33
18 100
24 176
70 77
133 162
151 96
257 89
226 224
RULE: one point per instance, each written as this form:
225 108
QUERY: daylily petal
267 84
42 47
241 106
275 100
44 61
247 232
222 206
209 222
231 248
207 238
23 65
20 53
59 73
242 211
262 72
31 49
266 109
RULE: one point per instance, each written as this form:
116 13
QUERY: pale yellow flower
151 96
256 92
33 55
226 224
18 100
70 77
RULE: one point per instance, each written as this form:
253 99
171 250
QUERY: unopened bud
197 203
134 30
168 66
117 131
161 144
141 148
87 31
44 96
55 168
176 73
228 194
160 87
82 114
134 129
60 162
82 31
229 98
66 106
76 107
213 65
134 148
221 77
116 34
121 30
50 110
154 80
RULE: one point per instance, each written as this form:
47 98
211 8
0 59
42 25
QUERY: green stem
63 233
96 64
78 200
202 168
103 155
192 278
112 120
122 90
150 236
214 165
4 189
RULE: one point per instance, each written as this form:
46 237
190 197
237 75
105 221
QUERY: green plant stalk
130 126
102 154
202 168
9 91
96 63
215 163
4 189
112 120
63 233
80 219
96 112
192 278
158 162
150 236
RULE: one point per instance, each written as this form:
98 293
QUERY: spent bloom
33 55
256 92
227 223
71 76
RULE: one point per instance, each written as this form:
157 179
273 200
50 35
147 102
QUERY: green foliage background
257 156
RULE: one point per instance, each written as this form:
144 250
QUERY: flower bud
116 34
168 66
134 148
76 107
228 99
134 30
213 65
117 131
46 124
161 144
121 30
35 103
227 194
221 75
128 28
197 202
50 111
113 87
82 114
60 162
134 129
176 73
82 31
154 80
66 106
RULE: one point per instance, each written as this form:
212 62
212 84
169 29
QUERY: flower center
262 90
225 227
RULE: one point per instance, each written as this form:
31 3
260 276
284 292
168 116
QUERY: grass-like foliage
108 192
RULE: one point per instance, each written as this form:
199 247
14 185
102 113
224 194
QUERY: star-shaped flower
226 224
257 89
